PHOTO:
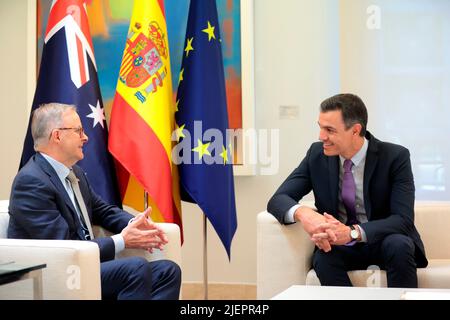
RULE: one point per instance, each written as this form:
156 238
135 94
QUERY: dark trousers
395 254
137 279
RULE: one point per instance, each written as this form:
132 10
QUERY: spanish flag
142 117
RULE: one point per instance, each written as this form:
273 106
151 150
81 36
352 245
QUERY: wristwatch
354 233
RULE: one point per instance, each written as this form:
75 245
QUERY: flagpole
145 200
205 257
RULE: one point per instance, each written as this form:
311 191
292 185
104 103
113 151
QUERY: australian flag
206 168
68 75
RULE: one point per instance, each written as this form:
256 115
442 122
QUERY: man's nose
322 135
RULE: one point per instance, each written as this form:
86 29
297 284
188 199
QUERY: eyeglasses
78 130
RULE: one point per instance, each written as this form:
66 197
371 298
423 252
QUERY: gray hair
46 118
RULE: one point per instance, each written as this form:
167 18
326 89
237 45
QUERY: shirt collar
360 155
61 170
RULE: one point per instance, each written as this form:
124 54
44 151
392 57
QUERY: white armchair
73 267
284 253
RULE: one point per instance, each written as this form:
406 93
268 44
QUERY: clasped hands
143 233
324 230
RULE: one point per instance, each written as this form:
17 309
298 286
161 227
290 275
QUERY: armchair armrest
171 251
284 254
72 272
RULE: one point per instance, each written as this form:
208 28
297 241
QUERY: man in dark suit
364 195
45 204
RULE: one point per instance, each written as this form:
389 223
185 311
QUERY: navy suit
388 197
40 208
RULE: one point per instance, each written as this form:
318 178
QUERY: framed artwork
109 22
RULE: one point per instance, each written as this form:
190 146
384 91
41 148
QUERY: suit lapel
369 168
48 169
333 173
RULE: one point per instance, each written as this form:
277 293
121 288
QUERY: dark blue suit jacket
40 208
388 190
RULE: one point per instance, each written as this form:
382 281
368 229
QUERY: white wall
401 69
17 83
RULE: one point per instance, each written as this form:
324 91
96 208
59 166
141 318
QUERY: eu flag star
181 75
224 155
210 31
202 149
189 46
179 132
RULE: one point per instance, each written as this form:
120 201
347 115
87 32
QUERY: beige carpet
219 291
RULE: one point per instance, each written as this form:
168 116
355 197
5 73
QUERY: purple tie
349 193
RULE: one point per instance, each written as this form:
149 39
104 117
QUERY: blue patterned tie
349 193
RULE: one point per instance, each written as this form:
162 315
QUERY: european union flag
68 75
206 170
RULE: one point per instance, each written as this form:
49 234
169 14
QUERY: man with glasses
51 198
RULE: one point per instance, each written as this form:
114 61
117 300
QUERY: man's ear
55 135
357 127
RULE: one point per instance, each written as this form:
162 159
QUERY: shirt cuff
351 243
289 216
119 243
362 233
